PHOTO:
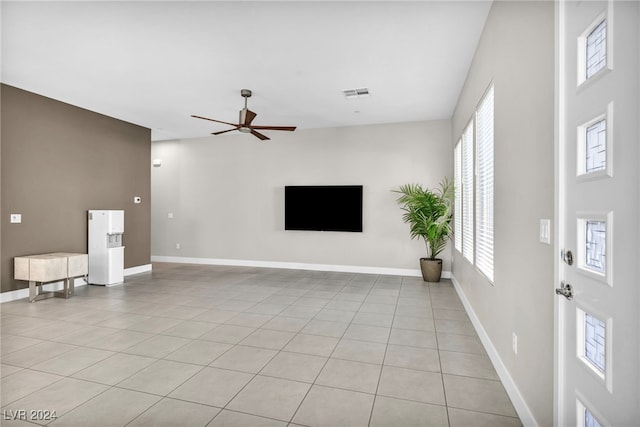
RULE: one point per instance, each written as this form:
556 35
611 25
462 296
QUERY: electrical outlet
170 215
514 343
177 245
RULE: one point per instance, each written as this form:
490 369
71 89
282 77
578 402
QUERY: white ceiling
156 63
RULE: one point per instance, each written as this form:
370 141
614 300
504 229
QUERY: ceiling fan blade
247 116
214 120
259 135
224 131
290 128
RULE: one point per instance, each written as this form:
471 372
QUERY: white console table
45 268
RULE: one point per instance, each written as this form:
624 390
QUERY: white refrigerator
106 253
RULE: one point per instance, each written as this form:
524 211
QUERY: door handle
566 290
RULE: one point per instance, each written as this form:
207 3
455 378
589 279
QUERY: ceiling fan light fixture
244 129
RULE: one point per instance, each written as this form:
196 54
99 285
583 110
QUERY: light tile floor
193 345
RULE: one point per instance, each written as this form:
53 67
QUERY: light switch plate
545 231
16 218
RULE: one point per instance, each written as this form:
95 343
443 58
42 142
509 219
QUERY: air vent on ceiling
356 93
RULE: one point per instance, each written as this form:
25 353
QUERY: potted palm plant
428 213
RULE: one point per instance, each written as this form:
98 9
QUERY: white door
597 350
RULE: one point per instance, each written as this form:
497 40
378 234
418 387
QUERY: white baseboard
137 269
520 405
296 266
49 287
58 286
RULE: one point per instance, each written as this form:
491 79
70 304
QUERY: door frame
559 311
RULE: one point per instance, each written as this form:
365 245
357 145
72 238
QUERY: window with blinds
467 192
484 186
457 213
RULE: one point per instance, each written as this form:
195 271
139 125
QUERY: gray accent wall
516 53
58 161
226 193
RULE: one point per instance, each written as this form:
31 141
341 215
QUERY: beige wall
227 193
58 161
516 52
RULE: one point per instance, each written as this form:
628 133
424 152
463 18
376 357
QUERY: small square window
594 341
595 52
596 49
585 418
595 245
596 147
593 249
593 344
590 420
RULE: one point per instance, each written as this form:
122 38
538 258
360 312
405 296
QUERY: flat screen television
323 207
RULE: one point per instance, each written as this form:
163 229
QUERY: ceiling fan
244 124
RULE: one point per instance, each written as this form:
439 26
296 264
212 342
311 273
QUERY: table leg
32 291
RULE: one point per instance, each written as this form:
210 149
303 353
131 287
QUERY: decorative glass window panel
595 341
593 345
596 49
484 185
595 245
467 192
457 232
590 420
585 418
596 147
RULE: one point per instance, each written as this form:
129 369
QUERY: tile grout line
319 371
254 374
384 356
270 360
444 388
326 361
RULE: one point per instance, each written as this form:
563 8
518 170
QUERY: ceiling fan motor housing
245 93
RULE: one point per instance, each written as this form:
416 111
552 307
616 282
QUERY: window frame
457 171
485 184
475 189
581 79
468 189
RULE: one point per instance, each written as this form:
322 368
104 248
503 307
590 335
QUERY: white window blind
467 192
457 213
484 185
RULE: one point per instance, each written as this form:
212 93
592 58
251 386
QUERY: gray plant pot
431 269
